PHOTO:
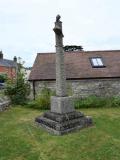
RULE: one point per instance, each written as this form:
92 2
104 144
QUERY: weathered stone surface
60 67
85 88
62 104
60 124
63 118
4 105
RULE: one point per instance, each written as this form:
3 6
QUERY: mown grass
21 139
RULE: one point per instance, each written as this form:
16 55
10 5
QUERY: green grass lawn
20 139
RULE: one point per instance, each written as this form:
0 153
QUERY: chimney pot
15 59
1 55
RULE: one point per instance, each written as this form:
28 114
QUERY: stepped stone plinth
62 118
60 124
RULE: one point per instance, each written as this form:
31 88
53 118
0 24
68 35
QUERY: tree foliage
69 48
3 78
18 89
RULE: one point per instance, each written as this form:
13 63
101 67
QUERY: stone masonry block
62 105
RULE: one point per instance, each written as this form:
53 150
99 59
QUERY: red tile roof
77 65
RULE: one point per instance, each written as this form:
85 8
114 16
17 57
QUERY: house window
97 62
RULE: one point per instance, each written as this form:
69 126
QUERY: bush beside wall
43 101
97 102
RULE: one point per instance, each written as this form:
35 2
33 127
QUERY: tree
18 89
3 77
69 48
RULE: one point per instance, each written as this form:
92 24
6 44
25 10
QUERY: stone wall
4 103
101 87
84 88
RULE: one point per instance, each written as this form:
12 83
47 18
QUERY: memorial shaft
60 67
62 118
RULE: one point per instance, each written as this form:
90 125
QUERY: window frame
97 66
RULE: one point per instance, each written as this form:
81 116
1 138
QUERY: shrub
18 89
97 102
114 102
43 100
3 78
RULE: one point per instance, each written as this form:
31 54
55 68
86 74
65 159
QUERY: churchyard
53 127
21 139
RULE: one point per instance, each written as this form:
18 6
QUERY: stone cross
62 118
60 69
60 103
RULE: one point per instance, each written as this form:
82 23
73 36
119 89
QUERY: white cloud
26 25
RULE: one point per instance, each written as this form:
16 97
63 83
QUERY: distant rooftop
7 62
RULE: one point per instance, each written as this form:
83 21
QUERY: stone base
4 105
62 105
60 124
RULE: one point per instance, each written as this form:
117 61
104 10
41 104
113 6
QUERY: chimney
1 55
15 59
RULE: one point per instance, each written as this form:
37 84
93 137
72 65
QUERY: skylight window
97 62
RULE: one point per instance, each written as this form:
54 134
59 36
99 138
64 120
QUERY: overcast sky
26 25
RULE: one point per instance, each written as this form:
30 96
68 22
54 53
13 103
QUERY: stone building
87 73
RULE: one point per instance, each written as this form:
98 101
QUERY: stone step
63 117
82 121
